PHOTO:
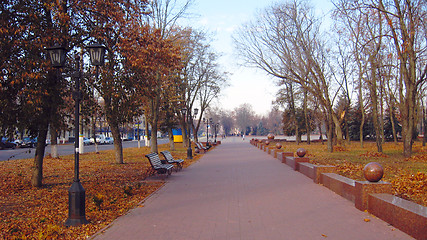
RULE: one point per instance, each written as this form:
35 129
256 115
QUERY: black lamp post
216 129
76 193
210 122
205 121
97 57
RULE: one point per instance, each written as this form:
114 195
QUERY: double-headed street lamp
76 193
189 120
206 121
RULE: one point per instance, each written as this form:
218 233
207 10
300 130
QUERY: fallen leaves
111 190
370 154
340 149
407 175
411 186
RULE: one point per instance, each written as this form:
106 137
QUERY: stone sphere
373 172
267 142
278 145
270 136
301 152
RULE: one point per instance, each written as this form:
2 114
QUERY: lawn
111 190
408 176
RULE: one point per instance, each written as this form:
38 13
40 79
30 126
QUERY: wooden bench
157 165
169 159
200 147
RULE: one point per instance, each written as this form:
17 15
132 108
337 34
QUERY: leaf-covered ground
111 190
408 176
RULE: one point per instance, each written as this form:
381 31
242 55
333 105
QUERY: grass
407 175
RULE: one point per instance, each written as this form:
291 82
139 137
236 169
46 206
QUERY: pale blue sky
222 17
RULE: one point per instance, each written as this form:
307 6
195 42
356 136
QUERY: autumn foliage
111 190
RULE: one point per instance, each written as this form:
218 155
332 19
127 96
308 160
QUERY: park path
237 191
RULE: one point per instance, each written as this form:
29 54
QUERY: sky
222 18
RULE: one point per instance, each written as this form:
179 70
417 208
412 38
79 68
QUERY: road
65 149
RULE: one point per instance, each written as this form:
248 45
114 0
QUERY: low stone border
407 216
315 171
375 197
293 162
341 185
282 156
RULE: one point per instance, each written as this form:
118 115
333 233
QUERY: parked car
18 142
28 142
4 144
109 140
100 139
86 141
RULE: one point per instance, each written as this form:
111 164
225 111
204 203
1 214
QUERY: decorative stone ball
278 145
270 136
267 142
301 152
373 172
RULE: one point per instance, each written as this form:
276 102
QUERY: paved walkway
237 191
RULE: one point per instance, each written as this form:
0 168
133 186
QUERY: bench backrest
199 145
154 159
168 156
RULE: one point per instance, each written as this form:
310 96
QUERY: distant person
243 137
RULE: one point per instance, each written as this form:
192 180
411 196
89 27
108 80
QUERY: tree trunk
155 118
381 115
320 131
393 127
329 133
408 123
94 133
184 135
118 147
171 142
307 121
338 130
425 128
347 127
374 99
294 115
37 177
375 118
53 142
362 111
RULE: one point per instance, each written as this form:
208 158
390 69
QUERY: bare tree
202 75
406 22
244 115
285 41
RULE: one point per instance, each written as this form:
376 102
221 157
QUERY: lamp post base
76 205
